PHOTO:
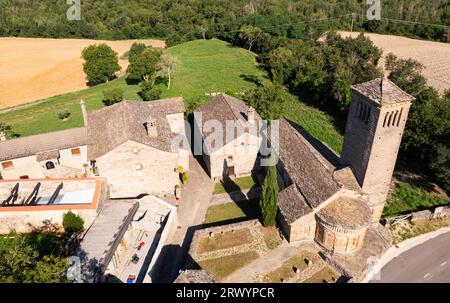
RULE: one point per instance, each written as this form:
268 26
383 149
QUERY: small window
75 151
24 177
7 165
230 158
50 165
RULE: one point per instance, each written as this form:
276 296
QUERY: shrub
184 177
149 92
112 96
72 223
63 115
180 169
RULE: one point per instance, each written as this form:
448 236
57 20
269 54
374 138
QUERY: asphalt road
426 263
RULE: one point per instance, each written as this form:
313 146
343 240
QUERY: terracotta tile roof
111 126
225 108
383 91
346 213
32 145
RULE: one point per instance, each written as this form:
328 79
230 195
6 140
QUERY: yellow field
435 56
32 69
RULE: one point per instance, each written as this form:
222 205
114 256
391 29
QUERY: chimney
150 126
84 112
251 115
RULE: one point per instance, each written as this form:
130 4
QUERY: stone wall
29 166
339 240
27 221
371 147
148 171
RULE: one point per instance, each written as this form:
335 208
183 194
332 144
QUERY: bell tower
375 125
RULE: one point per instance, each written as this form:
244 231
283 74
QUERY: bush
101 63
184 177
63 115
149 92
72 223
180 169
112 96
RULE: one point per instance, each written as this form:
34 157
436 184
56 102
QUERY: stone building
334 200
226 134
129 143
56 154
375 126
318 199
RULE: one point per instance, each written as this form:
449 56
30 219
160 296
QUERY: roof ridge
229 106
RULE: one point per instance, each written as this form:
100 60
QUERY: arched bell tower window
50 165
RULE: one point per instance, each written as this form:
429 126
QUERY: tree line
177 20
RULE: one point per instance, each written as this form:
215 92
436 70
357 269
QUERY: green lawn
207 66
234 210
408 198
225 266
238 184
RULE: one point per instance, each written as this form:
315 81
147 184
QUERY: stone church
333 200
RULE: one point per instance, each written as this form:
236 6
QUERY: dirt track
33 69
435 56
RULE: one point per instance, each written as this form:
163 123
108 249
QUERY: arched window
50 165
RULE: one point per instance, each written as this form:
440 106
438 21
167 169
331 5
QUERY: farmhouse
129 143
229 136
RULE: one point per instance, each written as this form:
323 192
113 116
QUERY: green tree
440 165
112 96
249 34
149 91
135 50
20 262
268 100
269 197
279 63
72 223
406 73
144 66
101 63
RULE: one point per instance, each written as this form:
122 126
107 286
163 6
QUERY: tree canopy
101 63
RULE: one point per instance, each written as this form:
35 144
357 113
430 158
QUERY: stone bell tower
375 124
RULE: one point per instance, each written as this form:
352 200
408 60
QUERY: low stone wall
28 221
256 244
442 212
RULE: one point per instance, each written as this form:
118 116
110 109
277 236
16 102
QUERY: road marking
426 275
443 263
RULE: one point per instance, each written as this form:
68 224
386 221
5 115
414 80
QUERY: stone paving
196 196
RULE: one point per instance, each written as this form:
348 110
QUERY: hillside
206 67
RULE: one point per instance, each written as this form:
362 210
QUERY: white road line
426 275
443 263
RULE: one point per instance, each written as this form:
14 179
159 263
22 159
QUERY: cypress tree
269 197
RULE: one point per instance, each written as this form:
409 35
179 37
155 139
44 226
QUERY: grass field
407 197
207 66
244 210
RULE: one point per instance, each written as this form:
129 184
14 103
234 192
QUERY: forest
179 20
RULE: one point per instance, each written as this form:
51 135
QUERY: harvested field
435 56
34 69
